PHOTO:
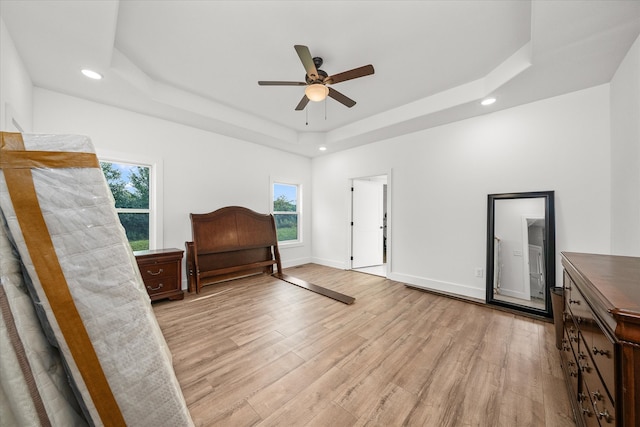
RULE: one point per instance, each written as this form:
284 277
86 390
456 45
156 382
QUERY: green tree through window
286 211
129 185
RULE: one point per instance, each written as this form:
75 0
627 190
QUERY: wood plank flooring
262 352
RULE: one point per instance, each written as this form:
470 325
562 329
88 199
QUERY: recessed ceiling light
488 101
323 148
92 74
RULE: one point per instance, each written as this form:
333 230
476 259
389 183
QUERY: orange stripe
40 246
47 159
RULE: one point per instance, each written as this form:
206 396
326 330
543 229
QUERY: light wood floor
260 351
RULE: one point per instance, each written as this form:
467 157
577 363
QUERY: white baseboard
330 263
514 294
439 286
294 262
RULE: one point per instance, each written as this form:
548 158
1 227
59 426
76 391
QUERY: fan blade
341 98
303 103
268 83
349 75
307 61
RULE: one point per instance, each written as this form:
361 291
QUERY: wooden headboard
232 242
236 242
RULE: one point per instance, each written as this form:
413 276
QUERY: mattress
84 282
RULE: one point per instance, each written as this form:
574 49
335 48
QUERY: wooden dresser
601 345
161 271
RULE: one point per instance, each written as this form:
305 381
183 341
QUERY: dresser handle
602 352
574 301
586 411
156 273
605 415
571 372
156 288
597 395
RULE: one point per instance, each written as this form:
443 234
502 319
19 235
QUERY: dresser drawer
601 351
594 388
577 304
571 366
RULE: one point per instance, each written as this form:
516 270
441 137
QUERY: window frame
298 212
156 237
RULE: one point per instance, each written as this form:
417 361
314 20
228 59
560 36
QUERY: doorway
369 225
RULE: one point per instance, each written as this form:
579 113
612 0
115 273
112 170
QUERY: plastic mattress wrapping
90 300
21 337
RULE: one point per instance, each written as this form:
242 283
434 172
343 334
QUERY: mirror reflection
519 251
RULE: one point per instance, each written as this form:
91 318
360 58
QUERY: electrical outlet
479 272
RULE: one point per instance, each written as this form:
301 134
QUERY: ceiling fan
317 80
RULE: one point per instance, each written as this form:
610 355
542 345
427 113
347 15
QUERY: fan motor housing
321 76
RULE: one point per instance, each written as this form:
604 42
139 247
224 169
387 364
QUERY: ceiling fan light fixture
316 92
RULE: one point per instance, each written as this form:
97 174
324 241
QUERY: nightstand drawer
160 285
156 270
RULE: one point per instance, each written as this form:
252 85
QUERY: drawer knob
156 288
574 301
595 350
154 273
605 415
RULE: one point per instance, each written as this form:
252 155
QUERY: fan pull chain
325 109
306 111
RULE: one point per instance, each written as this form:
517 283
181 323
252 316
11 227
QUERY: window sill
292 244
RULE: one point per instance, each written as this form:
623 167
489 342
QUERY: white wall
441 178
625 155
15 86
202 171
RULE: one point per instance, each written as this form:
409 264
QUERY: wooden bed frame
235 242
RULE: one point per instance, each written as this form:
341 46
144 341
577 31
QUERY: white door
536 271
367 229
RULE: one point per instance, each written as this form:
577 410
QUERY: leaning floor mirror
521 251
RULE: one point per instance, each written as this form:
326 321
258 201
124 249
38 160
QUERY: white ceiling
198 62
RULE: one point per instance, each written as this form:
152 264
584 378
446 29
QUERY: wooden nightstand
161 271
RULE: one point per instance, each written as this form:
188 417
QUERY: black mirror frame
550 249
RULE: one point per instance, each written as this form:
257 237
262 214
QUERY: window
286 211
130 185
